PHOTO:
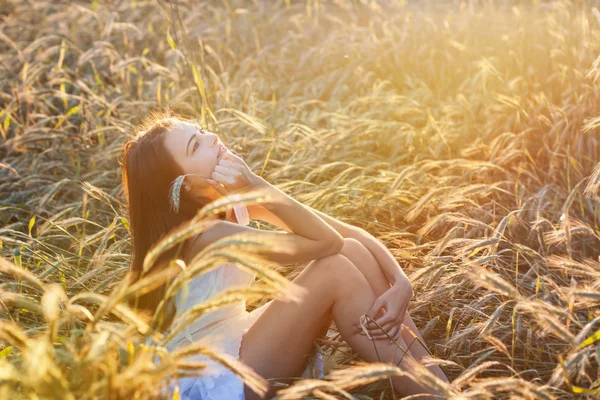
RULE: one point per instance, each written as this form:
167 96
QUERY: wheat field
464 135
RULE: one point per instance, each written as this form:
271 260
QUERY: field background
462 134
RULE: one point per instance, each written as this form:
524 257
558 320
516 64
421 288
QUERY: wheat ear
175 192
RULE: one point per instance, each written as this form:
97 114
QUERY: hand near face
232 173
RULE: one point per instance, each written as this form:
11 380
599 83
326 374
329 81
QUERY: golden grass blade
173 239
13 334
125 313
453 169
235 294
51 303
8 268
17 301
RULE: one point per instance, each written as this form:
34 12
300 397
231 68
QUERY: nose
213 139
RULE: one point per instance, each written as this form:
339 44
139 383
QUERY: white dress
227 326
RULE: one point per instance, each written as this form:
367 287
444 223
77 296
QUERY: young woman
348 273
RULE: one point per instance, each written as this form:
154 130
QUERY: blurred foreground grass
464 135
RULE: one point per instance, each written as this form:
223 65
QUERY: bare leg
368 265
276 344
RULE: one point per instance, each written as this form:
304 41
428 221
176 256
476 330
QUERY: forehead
179 127
177 137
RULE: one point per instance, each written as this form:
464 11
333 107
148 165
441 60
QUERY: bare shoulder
219 230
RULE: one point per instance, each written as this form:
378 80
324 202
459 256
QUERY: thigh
278 344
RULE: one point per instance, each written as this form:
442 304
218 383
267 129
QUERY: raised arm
386 260
309 237
257 211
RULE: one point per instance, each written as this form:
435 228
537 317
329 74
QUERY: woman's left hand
395 301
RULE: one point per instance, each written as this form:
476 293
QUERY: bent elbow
336 245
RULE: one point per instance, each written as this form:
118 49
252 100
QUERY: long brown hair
148 170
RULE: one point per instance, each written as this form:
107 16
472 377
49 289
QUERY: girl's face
197 151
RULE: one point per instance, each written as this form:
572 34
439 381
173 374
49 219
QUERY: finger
374 310
359 331
363 320
388 320
229 164
368 331
225 179
391 327
227 171
236 159
394 331
365 331
396 322
391 331
377 333
380 336
230 175
374 328
375 323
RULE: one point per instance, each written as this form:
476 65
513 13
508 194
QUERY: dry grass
464 135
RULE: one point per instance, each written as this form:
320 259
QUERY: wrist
404 284
259 181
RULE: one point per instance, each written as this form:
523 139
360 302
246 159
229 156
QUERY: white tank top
208 285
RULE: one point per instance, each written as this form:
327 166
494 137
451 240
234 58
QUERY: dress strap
241 211
241 214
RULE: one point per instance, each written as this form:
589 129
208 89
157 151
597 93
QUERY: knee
338 271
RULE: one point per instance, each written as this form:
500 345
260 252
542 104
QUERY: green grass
463 135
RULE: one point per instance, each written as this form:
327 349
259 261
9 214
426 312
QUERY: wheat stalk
175 191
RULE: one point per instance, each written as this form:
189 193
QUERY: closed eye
195 147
